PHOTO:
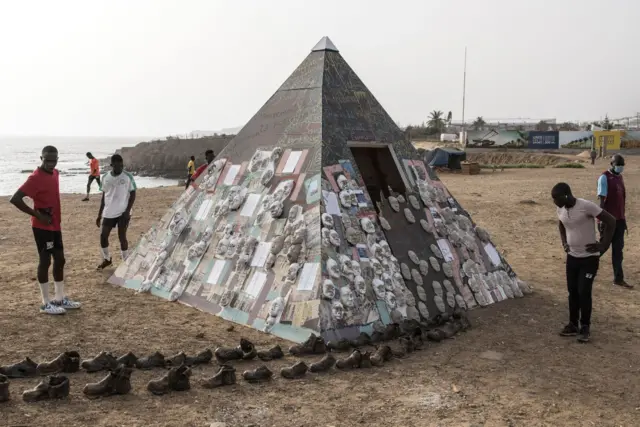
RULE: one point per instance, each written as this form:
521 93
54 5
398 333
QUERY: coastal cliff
168 158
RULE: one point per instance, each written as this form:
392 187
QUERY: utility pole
464 94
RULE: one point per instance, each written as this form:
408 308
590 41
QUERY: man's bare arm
609 223
563 235
17 200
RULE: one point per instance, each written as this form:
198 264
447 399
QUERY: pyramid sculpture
293 230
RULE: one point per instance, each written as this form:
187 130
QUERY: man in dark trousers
612 195
43 187
578 235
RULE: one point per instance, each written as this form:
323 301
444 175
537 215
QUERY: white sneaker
67 304
52 309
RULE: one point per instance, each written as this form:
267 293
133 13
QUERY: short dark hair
89 154
209 152
49 149
192 157
561 188
116 158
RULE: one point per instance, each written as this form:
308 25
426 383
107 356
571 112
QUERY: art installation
282 234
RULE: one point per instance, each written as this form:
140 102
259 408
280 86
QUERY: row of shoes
442 327
69 361
410 336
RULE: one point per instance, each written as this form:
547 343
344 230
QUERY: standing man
578 235
593 156
118 195
94 174
191 169
43 187
209 155
612 195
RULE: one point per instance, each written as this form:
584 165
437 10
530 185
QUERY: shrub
570 166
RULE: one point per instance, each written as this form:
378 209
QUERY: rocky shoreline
168 158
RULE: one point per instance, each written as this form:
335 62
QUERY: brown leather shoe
177 379
226 375
201 358
351 362
102 362
52 387
262 373
129 360
4 388
273 353
23 369
324 364
155 360
117 381
296 371
67 362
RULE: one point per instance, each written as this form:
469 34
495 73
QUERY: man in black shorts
94 175
118 195
43 187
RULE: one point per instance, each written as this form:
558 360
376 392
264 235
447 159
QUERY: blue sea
20 155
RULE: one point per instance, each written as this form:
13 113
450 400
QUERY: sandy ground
540 379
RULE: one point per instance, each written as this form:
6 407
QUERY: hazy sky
158 67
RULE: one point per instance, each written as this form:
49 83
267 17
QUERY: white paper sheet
260 255
493 254
292 162
231 174
216 272
445 249
331 203
257 282
308 276
205 207
250 204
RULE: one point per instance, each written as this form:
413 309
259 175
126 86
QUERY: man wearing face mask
612 195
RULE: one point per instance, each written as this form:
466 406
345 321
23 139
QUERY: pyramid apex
325 43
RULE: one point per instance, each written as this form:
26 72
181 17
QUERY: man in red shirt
209 155
43 187
94 175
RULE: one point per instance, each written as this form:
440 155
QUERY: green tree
478 123
607 125
449 118
436 122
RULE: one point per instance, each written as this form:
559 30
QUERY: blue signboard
547 140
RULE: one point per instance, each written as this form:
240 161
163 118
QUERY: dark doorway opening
379 172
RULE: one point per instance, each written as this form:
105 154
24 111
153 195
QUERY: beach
20 155
510 369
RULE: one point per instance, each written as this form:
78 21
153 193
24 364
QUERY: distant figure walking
191 169
594 154
118 195
612 195
94 174
43 187
577 228
209 155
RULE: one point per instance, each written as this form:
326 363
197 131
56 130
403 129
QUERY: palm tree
436 122
478 123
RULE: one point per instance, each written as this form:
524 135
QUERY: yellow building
611 138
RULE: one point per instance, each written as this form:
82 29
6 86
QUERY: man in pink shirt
577 224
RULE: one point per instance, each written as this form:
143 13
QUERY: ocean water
19 156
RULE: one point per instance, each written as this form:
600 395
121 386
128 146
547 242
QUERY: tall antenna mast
464 85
